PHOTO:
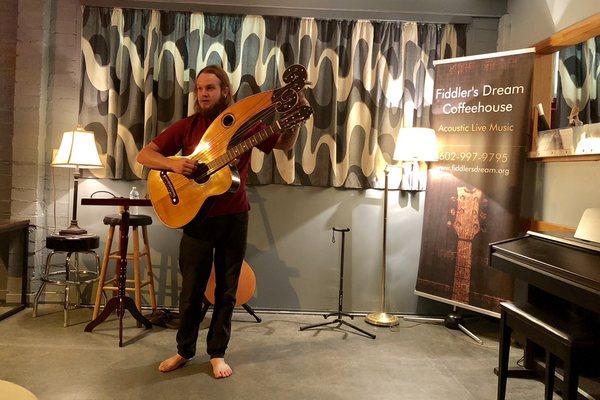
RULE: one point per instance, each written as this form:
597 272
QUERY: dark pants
225 238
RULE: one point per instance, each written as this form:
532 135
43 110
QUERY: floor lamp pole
382 318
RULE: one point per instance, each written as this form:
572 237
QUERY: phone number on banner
473 156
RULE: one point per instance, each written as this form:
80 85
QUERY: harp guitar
177 199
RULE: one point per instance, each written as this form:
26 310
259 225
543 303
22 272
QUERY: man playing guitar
221 231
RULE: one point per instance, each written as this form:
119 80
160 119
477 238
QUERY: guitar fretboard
462 271
242 147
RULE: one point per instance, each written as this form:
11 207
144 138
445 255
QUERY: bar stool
135 221
570 339
71 273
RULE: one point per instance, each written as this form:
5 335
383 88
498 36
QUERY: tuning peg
482 215
452 212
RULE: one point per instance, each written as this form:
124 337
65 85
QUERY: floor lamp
77 150
413 145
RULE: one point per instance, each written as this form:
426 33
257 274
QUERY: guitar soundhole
201 175
228 120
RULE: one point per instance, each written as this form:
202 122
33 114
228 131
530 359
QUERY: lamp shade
77 150
417 144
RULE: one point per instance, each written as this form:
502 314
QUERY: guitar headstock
295 117
286 97
467 213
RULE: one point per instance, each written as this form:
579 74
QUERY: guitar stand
206 305
452 321
339 321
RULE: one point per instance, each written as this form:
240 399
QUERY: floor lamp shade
77 150
414 146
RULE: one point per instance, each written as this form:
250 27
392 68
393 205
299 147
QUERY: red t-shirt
185 135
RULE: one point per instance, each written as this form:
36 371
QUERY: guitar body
176 198
245 289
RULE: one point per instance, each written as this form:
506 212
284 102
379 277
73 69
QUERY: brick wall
8 43
45 73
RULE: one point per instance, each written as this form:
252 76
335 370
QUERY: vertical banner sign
481 114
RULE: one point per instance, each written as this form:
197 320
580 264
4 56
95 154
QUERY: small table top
7 225
116 201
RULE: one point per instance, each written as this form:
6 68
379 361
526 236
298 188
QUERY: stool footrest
144 283
83 277
129 256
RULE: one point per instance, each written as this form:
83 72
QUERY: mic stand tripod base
340 322
382 319
452 321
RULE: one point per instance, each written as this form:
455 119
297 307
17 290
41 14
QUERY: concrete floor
271 360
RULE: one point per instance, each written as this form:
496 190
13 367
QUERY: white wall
535 20
558 192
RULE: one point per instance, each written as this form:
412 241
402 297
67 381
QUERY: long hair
220 73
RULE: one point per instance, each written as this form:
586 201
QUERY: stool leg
149 272
103 268
570 381
40 290
66 303
77 278
505 333
136 272
549 379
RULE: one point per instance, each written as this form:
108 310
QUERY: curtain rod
285 11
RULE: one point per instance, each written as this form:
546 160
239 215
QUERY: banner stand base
452 321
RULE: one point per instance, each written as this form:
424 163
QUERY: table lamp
77 150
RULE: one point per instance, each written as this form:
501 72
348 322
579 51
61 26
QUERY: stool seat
72 243
134 220
571 331
71 273
565 337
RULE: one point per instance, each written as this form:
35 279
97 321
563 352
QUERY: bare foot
172 363
220 368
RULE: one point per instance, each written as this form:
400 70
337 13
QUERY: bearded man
219 234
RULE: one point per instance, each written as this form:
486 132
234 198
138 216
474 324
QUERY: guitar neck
462 271
242 147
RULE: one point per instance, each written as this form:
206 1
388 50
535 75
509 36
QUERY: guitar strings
237 137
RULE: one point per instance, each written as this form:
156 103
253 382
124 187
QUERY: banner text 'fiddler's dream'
481 106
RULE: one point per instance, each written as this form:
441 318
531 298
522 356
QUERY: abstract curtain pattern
368 80
579 82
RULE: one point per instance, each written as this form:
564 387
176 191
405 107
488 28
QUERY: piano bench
569 339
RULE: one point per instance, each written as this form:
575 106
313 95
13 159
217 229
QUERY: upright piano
561 273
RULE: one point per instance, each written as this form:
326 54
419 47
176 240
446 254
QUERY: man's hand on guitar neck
288 137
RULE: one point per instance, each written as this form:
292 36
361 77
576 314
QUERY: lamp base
73 229
382 319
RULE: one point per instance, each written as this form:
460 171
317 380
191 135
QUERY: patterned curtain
369 79
579 82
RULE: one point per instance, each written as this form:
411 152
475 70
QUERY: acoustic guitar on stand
177 199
